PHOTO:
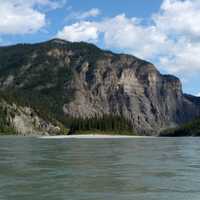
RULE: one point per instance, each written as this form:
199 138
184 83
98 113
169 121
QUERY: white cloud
94 12
198 95
179 17
22 17
18 19
126 34
182 59
118 32
51 4
82 31
171 40
90 13
179 21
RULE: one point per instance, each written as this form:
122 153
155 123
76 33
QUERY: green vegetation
189 129
42 81
43 85
105 125
48 109
5 127
99 132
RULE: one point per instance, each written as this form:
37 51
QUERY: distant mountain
57 85
189 129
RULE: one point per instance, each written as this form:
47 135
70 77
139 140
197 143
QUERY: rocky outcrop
84 81
124 85
25 121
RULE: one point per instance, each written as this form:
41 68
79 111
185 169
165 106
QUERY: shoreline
92 136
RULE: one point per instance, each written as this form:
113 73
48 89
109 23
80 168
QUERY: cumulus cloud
179 20
82 31
51 4
126 34
22 17
179 17
75 15
171 39
118 32
90 13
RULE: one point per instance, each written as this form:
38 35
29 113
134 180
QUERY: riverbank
91 136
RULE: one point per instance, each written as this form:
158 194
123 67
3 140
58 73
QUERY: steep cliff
15 119
79 80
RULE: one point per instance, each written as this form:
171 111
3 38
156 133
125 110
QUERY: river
99 168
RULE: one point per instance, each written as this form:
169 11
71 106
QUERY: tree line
104 123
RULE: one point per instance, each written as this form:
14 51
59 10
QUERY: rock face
25 121
124 85
84 81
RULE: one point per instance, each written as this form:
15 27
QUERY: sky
164 32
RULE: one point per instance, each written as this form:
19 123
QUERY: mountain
189 129
64 83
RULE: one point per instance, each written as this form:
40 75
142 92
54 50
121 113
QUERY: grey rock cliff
25 121
124 85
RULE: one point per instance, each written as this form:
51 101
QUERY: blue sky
165 32
57 18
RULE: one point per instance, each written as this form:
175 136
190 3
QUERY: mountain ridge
79 80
